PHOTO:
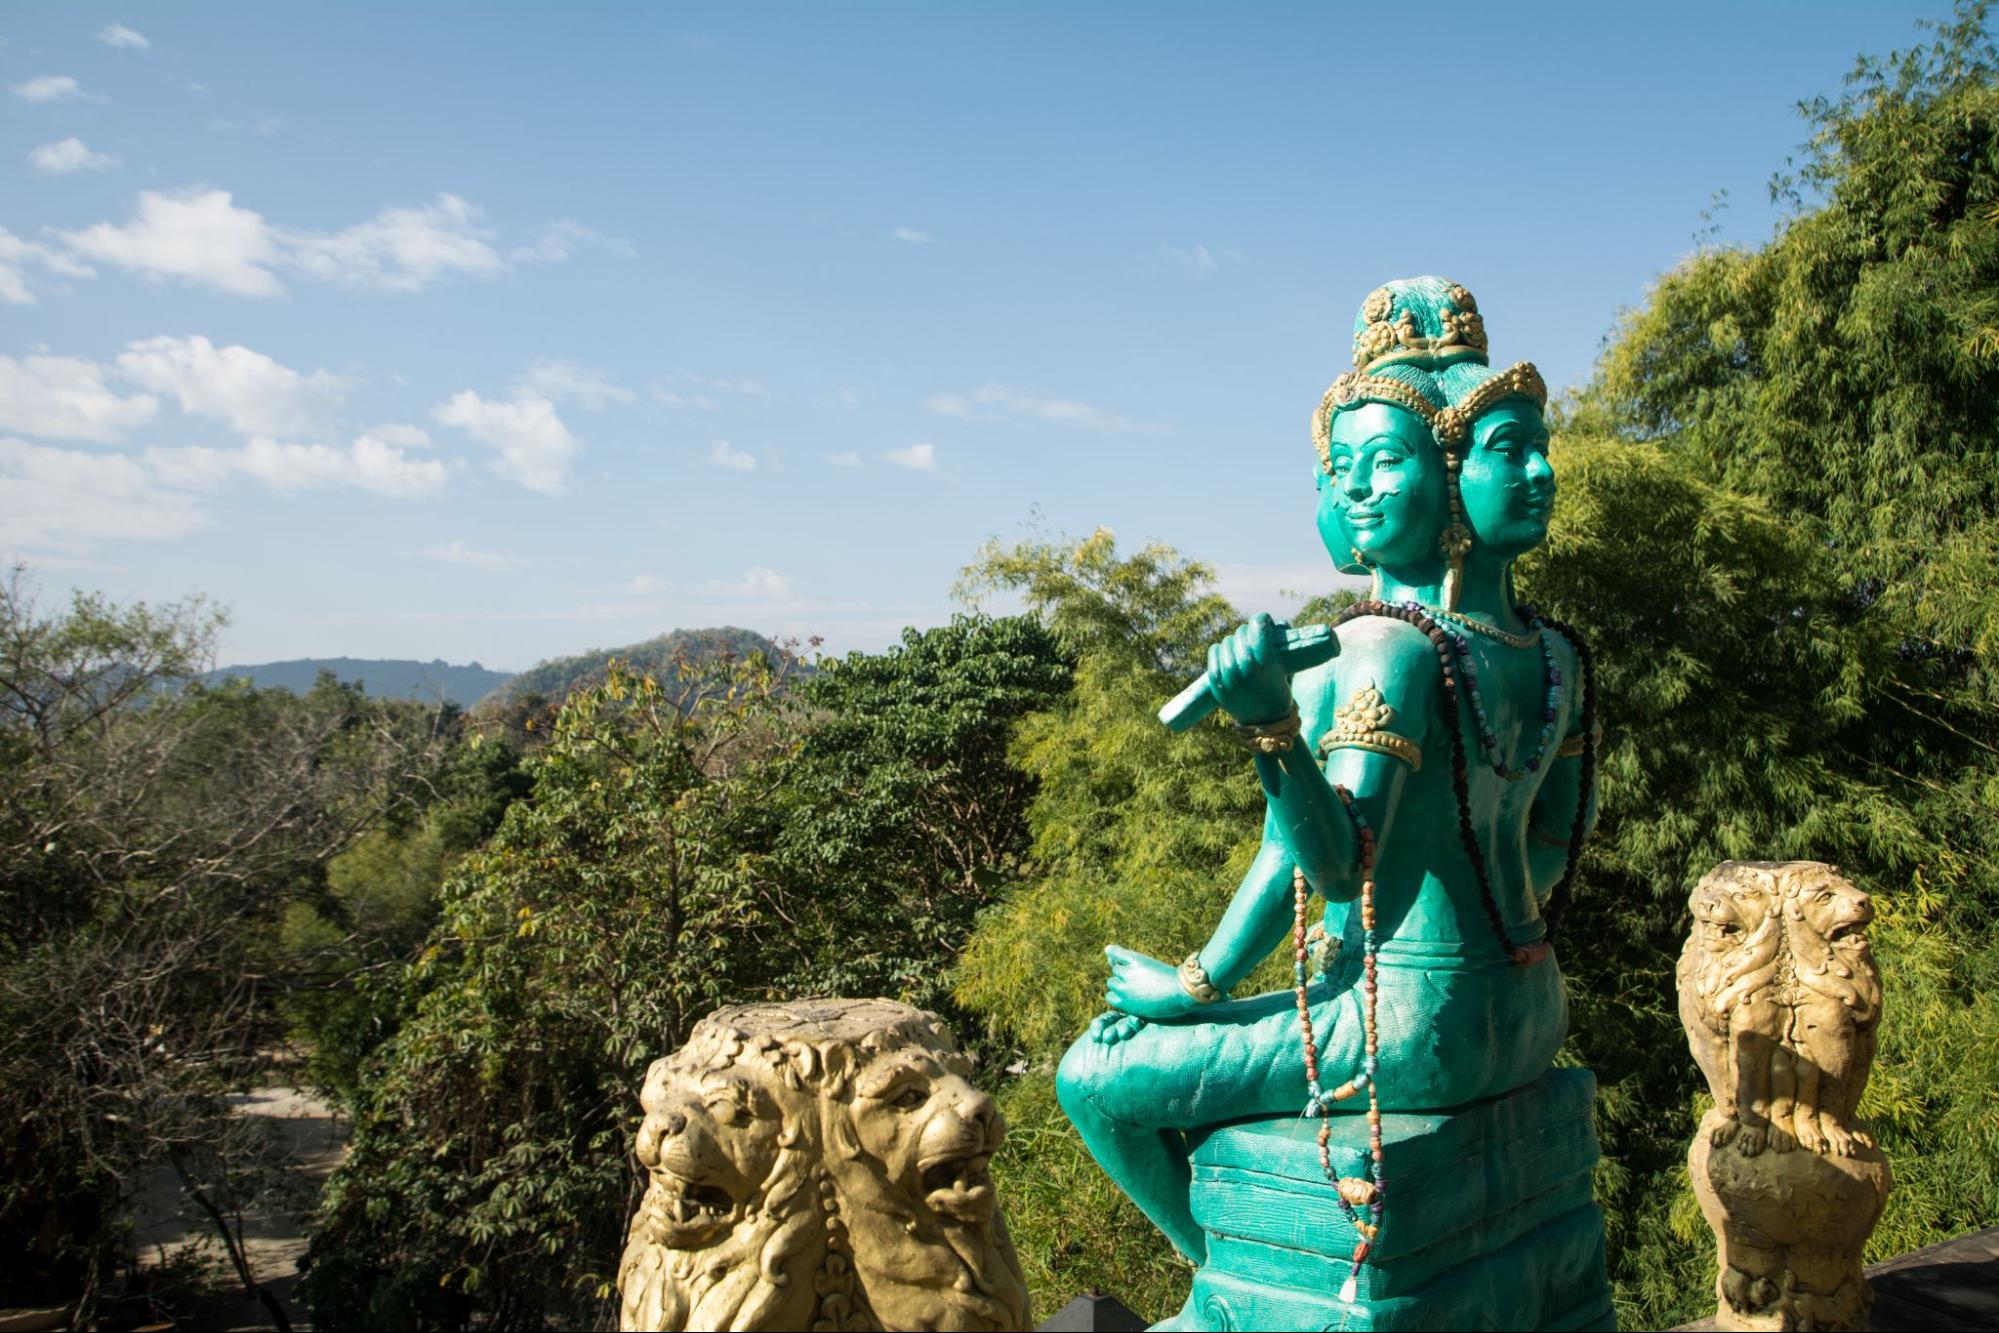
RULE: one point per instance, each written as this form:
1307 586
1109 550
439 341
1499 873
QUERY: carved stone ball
819 1164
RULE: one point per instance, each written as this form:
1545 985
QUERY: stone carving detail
818 1165
1780 999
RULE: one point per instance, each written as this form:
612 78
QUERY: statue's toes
1723 1132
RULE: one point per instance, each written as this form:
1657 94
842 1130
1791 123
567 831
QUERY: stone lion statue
819 1165
1780 999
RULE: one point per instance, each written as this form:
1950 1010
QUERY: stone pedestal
1489 1220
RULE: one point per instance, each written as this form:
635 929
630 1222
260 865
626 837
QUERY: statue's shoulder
1376 652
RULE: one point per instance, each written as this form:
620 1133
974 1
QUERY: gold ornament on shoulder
1362 724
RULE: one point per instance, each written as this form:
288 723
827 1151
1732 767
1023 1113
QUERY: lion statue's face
709 1141
1737 939
1835 912
819 1164
932 1131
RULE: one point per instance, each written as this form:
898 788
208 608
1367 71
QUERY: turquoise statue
1429 767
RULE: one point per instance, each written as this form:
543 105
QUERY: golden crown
1385 337
1450 425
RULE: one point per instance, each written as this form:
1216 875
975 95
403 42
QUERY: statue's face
1384 493
1505 481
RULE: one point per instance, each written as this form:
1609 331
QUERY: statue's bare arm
1552 824
1305 825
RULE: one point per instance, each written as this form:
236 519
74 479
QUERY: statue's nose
675 1124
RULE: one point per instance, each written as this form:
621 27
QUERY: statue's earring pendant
1454 542
1373 570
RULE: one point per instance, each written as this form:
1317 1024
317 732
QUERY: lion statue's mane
819 1164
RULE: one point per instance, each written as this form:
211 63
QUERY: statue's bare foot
1842 1143
1723 1132
1813 1137
1750 1141
1111 1028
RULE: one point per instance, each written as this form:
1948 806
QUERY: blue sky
504 331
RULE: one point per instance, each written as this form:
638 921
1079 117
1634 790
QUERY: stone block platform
1489 1220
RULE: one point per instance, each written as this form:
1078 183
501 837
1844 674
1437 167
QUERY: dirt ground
315 1140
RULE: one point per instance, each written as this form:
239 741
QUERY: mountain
559 675
385 678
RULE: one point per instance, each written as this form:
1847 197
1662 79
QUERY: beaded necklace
1550 703
1352 1193
1480 628
1452 650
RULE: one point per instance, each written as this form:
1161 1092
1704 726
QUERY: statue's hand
1246 673
1145 987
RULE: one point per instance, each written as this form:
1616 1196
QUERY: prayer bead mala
1368 1192
1454 657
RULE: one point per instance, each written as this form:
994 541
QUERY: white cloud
911 235
197 236
68 500
991 399
53 88
204 238
555 242
65 398
400 249
567 382
846 458
922 457
758 584
370 463
117 34
742 387
65 156
723 454
672 399
15 256
533 445
457 552
1197 259
250 391
645 583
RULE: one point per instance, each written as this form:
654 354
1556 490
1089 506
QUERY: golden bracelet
1271 737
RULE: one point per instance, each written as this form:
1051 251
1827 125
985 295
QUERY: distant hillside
385 678
559 675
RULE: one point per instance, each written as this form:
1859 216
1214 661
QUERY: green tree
1139 836
491 1173
904 817
152 831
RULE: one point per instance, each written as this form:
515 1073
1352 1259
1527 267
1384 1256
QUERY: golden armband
1572 746
1363 725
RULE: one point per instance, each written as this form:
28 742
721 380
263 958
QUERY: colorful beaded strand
1558 897
1369 1192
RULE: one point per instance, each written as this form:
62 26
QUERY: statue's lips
1364 518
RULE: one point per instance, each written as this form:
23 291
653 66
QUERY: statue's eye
910 1098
